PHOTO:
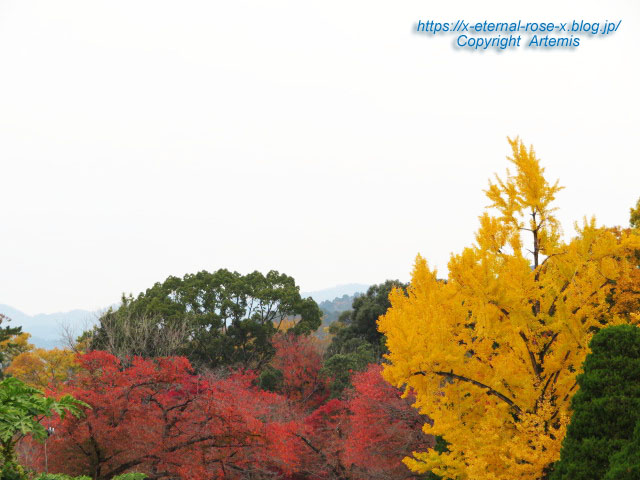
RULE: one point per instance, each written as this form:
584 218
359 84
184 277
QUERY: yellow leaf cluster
42 368
12 347
492 353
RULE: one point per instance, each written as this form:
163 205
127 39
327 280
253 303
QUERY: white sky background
141 139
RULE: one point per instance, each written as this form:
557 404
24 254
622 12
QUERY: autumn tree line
523 362
220 375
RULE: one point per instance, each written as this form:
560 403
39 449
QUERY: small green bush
62 476
12 471
130 476
59 476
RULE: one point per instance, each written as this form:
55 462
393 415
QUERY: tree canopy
492 354
12 342
606 409
219 318
41 368
21 410
625 465
634 220
359 324
356 341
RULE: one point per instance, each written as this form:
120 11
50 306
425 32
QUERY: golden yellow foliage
625 297
285 324
493 352
12 347
41 368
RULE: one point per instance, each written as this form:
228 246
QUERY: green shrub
130 476
62 476
59 476
12 471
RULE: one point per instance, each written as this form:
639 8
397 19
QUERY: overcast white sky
141 139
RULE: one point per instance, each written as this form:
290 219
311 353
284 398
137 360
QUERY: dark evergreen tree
359 326
357 341
634 219
625 465
7 332
8 350
606 409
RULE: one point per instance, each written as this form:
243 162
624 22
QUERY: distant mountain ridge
46 328
332 309
332 293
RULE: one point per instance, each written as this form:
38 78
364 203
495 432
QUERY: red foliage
365 436
326 430
299 358
158 418
385 428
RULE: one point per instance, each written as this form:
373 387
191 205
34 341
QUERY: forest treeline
220 374
469 376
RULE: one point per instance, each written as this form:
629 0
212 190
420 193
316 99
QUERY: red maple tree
385 428
299 358
158 418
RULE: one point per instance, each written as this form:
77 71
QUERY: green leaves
130 476
8 349
62 476
360 324
59 476
634 219
228 318
341 366
606 410
356 340
21 409
625 465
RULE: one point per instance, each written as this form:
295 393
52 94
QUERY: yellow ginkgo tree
493 351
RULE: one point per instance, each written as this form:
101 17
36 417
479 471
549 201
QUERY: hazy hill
46 329
333 308
332 293
333 301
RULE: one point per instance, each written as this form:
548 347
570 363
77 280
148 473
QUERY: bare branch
490 391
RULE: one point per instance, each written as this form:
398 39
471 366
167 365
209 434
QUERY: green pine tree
625 465
606 409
